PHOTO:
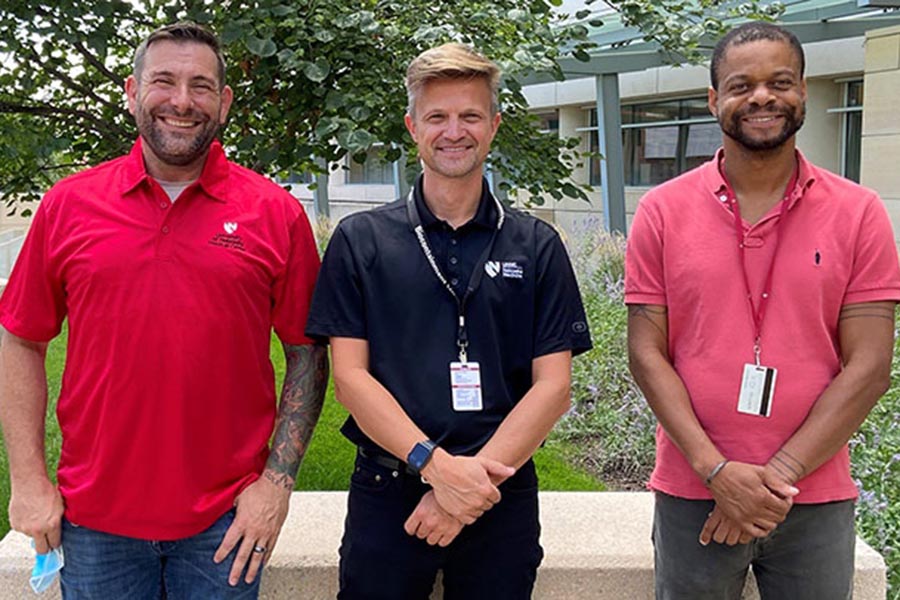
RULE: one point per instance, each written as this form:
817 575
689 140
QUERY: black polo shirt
376 284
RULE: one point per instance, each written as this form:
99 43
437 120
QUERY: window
661 140
852 130
548 123
374 171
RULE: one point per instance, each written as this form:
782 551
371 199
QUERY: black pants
495 558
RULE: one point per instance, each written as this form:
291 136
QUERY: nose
454 128
180 97
761 94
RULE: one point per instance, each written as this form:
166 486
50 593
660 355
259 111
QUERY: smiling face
453 126
761 98
178 107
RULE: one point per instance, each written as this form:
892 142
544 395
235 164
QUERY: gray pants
809 556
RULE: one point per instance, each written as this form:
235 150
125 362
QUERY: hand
432 523
750 496
722 530
462 484
36 509
261 510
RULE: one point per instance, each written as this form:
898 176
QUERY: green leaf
261 47
324 35
317 71
282 10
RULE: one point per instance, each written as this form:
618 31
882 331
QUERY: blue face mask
46 566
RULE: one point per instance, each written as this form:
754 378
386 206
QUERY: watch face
419 456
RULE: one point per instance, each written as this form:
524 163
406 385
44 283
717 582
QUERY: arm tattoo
647 311
791 468
305 379
855 311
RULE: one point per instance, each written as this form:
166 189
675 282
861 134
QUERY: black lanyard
412 213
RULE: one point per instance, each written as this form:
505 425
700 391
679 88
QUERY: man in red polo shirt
172 266
761 295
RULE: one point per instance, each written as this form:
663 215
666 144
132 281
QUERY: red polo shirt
168 398
837 249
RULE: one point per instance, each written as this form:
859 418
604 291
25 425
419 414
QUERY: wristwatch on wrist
420 455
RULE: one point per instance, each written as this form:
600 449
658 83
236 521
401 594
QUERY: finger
412 523
434 537
734 534
497 468
240 561
41 545
745 538
54 536
708 528
229 541
256 561
721 533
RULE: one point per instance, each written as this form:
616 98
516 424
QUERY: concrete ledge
597 545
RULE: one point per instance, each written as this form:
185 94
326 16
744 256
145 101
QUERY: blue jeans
102 566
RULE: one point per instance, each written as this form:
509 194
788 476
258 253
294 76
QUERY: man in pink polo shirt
761 294
172 266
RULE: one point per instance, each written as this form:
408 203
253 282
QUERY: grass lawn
329 461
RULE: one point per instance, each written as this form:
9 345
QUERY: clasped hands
751 501
462 489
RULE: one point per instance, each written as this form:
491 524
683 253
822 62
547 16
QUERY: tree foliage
314 80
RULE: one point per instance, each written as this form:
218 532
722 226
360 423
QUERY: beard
733 128
174 148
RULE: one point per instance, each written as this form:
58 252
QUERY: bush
609 421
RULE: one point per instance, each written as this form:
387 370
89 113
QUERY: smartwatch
420 455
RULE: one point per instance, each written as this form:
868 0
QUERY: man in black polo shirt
453 321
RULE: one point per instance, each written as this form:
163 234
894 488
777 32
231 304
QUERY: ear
803 89
227 96
131 89
712 97
410 126
495 124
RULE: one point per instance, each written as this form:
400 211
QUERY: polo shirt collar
485 217
213 179
716 183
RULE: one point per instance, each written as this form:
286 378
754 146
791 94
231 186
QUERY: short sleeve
33 305
560 322
293 289
645 281
338 308
876 269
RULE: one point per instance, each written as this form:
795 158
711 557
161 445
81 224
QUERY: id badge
465 386
757 390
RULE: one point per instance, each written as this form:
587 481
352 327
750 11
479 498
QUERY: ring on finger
260 549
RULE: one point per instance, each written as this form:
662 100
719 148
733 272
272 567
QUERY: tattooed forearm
652 313
855 311
305 379
789 467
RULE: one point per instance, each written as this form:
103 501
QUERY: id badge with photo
757 390
465 386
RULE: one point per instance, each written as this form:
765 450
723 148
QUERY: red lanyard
758 312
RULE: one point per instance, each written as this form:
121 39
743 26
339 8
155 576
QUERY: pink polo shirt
838 248
168 398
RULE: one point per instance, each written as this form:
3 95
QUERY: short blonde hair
451 61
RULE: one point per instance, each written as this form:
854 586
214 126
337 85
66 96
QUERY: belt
385 460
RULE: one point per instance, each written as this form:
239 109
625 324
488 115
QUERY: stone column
881 123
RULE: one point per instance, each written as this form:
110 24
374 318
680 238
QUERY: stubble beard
733 128
171 148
